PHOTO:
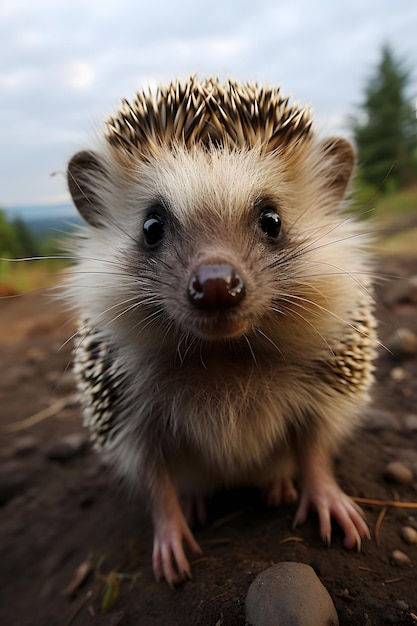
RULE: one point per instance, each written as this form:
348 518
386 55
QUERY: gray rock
289 594
399 473
402 343
409 534
401 559
398 374
378 419
67 447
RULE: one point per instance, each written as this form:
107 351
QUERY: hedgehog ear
84 174
339 158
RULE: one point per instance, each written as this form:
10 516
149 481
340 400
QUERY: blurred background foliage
385 128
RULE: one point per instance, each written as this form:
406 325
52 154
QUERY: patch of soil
61 510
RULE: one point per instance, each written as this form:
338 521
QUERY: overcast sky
64 65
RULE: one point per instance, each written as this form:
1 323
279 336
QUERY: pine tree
28 243
386 132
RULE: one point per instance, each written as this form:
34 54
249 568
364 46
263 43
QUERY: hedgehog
226 334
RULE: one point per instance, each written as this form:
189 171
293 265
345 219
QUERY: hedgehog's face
210 238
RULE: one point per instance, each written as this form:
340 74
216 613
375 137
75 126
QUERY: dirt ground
60 510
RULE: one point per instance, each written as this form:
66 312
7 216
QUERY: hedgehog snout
216 286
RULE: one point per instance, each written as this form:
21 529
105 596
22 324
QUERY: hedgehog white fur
227 333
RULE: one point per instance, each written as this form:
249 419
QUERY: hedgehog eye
270 222
153 230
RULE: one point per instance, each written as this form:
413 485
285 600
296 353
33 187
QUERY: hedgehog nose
216 286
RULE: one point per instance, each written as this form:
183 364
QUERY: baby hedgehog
226 334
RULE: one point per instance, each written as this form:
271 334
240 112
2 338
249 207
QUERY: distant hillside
46 221
45 227
27 212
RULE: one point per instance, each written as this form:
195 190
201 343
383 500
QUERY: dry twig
386 503
50 411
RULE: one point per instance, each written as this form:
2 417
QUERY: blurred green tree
28 242
385 131
9 243
17 240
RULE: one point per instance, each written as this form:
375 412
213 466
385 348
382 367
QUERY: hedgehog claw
171 532
321 492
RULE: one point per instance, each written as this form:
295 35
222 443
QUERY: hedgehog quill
226 323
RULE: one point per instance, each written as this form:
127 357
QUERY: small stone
402 343
410 423
399 473
378 419
401 559
67 447
409 534
398 374
409 458
13 480
289 593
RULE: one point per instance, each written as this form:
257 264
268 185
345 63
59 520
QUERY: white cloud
69 62
80 74
14 79
30 37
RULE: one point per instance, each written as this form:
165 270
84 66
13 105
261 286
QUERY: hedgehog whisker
94 322
201 355
168 326
292 312
118 264
78 332
353 276
178 255
341 272
145 323
292 299
95 273
246 338
40 258
185 339
260 332
362 233
310 246
250 246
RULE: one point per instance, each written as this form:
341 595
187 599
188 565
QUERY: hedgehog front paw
171 532
330 501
